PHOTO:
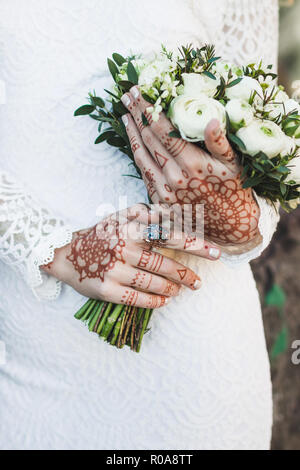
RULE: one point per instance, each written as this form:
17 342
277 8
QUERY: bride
202 379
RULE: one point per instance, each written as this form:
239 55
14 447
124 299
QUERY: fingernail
135 92
214 253
125 100
197 284
125 120
217 131
168 300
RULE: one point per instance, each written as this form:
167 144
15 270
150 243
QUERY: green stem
93 319
145 323
83 309
111 321
128 325
103 307
119 343
104 318
88 312
117 328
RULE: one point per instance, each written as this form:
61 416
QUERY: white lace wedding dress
202 380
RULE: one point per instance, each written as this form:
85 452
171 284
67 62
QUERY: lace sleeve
28 237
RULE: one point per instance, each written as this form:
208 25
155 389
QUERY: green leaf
119 60
148 99
116 141
281 343
132 74
84 110
106 135
234 82
111 94
237 141
251 182
209 74
145 120
213 59
97 101
175 134
119 108
112 68
275 297
125 85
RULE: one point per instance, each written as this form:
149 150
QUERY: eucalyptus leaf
112 68
234 82
84 110
116 141
106 135
125 85
132 73
97 101
237 141
118 59
175 135
209 74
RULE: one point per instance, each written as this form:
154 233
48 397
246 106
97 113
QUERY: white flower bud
244 89
196 84
240 113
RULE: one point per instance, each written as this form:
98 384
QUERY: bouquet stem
118 325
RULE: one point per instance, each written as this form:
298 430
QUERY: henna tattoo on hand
230 212
151 261
96 251
142 280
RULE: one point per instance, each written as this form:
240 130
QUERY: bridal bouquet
194 86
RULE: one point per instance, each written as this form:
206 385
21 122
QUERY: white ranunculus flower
240 113
154 70
196 84
295 169
263 136
244 89
191 115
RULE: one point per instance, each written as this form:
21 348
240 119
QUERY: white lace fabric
29 236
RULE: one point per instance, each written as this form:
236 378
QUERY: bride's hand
176 171
111 261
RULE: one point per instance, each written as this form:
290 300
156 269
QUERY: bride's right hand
112 262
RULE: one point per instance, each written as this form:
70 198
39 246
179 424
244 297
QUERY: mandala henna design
230 212
96 251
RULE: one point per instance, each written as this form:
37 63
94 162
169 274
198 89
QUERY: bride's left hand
176 171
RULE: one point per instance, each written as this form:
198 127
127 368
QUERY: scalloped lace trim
44 286
29 234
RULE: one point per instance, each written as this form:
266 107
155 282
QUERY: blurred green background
277 272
